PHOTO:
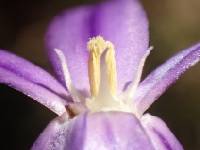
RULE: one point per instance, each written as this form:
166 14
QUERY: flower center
103 78
103 81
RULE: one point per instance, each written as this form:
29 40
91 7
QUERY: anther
111 68
96 47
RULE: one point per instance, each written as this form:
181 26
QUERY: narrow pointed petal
32 81
35 91
30 72
161 137
98 131
161 78
128 30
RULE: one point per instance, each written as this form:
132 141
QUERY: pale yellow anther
111 68
96 46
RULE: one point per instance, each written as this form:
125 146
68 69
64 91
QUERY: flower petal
99 131
32 81
54 136
160 79
30 72
128 30
116 130
161 137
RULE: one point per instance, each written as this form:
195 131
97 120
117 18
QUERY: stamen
68 82
95 46
104 101
104 88
111 68
103 79
133 86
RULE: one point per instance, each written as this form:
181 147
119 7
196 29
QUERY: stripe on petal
128 30
161 78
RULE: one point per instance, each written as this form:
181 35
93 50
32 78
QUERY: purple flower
98 52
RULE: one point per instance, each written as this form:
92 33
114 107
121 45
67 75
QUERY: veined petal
128 30
161 78
98 131
161 137
32 81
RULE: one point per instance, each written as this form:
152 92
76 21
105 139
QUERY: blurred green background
174 25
